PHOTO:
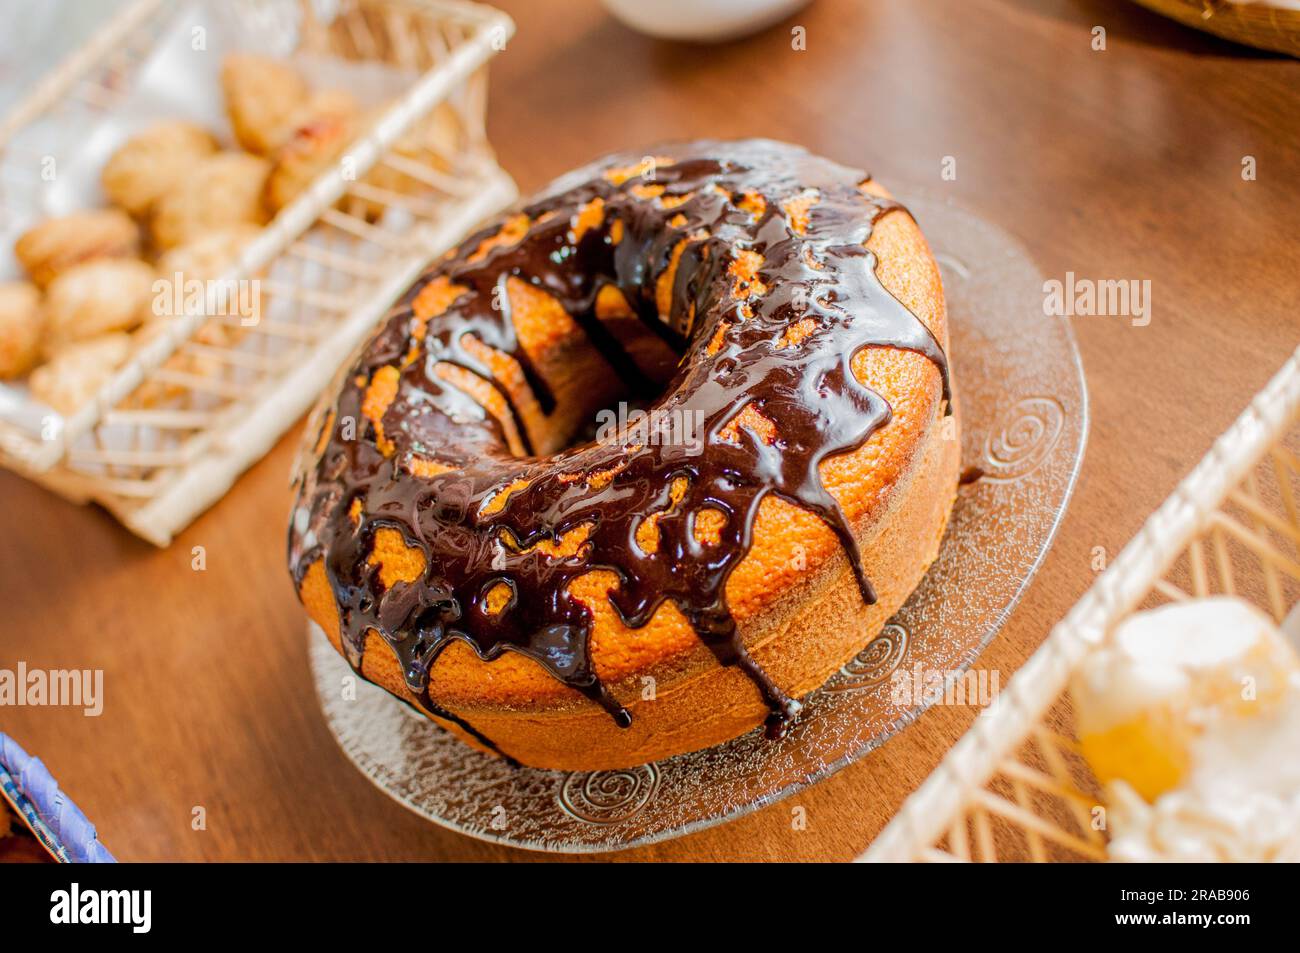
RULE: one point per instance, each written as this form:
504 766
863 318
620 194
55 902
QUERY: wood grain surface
1122 163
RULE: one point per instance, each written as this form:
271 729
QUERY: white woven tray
327 274
1014 787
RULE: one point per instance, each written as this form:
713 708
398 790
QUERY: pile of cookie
182 206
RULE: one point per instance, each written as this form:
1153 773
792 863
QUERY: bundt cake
642 463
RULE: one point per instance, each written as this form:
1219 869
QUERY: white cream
1241 802
1205 647
1190 714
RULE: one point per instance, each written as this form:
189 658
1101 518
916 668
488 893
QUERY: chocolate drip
737 355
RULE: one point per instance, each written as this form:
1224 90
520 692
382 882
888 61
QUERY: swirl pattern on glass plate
1022 445
873 664
607 797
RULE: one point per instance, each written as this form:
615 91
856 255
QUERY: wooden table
1117 164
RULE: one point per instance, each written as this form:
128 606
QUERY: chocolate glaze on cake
735 353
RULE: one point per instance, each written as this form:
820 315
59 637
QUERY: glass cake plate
1024 410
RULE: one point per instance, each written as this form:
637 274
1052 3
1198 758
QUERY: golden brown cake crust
793 596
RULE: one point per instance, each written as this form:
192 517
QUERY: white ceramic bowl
701 20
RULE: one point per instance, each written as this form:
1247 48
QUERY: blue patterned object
57 823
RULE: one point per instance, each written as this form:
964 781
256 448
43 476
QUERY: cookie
152 163
21 321
224 190
57 244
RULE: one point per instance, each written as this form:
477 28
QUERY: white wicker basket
1014 787
327 274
